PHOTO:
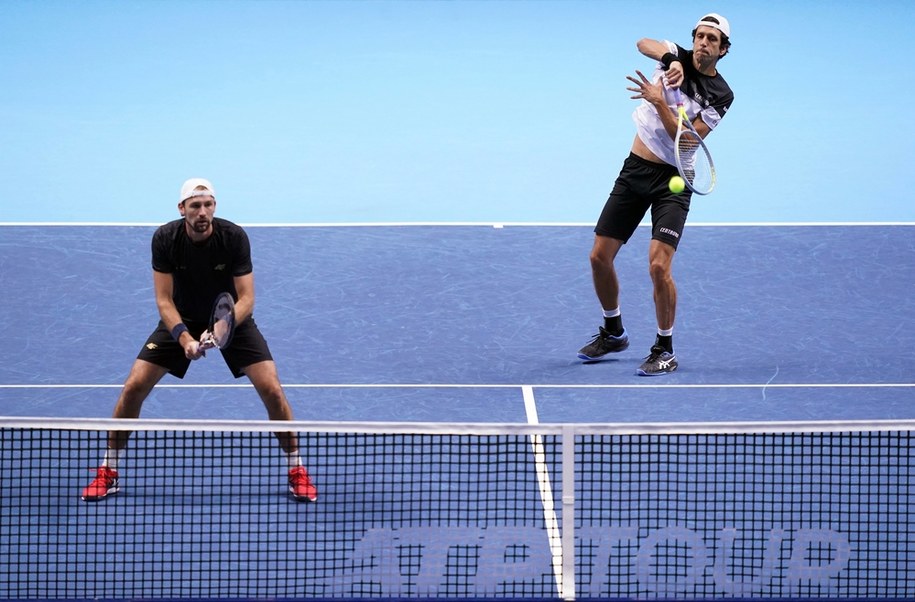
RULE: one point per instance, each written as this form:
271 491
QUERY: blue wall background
395 111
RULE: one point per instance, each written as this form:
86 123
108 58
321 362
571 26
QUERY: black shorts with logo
640 185
247 347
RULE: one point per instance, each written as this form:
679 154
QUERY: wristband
668 58
178 329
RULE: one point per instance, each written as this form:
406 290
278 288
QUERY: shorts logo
151 346
669 232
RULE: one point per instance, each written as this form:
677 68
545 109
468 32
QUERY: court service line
554 536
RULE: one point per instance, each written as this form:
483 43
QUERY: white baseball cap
189 189
722 24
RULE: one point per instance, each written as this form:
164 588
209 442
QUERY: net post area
205 510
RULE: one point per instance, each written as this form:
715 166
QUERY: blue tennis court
450 322
473 324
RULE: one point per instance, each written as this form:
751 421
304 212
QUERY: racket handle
205 342
678 96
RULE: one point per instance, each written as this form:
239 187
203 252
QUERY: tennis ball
676 184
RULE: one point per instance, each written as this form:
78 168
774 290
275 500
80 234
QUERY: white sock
666 333
112 458
294 459
612 313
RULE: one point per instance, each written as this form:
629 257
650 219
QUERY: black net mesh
207 514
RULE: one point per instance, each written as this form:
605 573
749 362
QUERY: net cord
468 428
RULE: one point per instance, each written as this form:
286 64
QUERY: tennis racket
694 161
222 324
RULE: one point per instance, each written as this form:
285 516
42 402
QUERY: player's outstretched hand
647 90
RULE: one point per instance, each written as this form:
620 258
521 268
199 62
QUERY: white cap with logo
719 23
190 189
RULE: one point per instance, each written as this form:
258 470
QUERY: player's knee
273 396
274 393
659 270
135 391
600 261
131 401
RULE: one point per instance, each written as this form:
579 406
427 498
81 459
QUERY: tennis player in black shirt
643 184
194 259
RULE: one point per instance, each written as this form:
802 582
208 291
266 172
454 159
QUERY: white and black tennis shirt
703 95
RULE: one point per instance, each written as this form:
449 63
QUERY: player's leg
669 219
603 271
141 380
263 376
611 337
618 220
660 268
266 381
661 359
158 356
249 355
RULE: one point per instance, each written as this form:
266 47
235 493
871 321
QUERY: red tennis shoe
300 485
104 484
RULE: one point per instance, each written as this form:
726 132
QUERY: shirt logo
220 267
151 346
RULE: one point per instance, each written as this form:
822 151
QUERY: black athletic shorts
247 347
640 185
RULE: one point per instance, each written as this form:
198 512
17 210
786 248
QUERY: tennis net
422 510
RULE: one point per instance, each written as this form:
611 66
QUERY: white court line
651 385
554 536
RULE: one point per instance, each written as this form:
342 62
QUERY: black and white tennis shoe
602 344
659 361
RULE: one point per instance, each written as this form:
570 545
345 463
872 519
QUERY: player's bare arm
701 129
164 285
656 49
244 305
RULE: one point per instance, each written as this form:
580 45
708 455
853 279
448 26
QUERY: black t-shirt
705 96
712 94
201 271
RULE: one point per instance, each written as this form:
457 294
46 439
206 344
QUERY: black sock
614 325
666 342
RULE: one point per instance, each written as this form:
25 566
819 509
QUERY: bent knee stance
273 396
660 271
599 261
602 254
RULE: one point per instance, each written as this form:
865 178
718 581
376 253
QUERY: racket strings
222 322
694 162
